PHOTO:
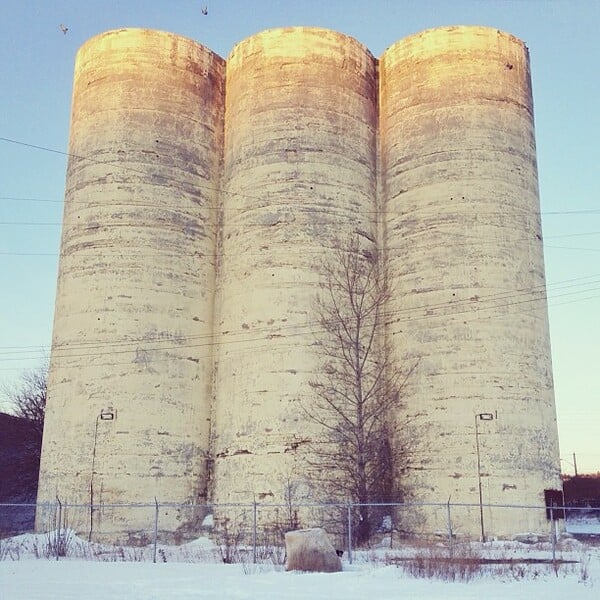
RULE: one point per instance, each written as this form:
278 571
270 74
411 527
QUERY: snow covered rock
311 550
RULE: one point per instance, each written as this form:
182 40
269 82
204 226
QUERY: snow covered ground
584 522
41 579
93 572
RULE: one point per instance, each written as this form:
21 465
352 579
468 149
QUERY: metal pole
350 532
254 532
479 479
575 463
553 534
65 524
155 528
92 478
448 516
57 533
103 415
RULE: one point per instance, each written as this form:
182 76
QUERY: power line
220 190
585 211
19 223
64 352
465 238
106 252
124 167
574 248
586 280
565 284
439 306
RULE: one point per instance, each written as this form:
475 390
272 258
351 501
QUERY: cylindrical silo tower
299 176
128 408
464 250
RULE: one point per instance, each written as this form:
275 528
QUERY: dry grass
466 562
435 563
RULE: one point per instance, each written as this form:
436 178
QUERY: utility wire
262 199
221 190
104 253
585 211
480 300
65 353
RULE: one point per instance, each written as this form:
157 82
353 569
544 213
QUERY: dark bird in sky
204 10
63 28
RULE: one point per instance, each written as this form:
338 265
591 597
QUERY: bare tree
27 397
358 390
22 444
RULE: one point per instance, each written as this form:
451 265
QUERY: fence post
350 532
57 533
254 532
155 528
65 523
553 535
449 517
392 515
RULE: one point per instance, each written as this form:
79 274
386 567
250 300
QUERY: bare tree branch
28 397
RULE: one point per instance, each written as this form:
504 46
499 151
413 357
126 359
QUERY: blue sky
36 68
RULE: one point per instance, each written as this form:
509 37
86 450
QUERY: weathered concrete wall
197 219
299 173
134 306
463 241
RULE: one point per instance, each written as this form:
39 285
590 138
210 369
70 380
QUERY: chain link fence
255 532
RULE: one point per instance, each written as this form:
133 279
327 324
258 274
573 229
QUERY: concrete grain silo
203 201
128 409
299 175
464 252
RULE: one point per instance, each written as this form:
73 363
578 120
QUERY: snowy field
94 572
41 579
